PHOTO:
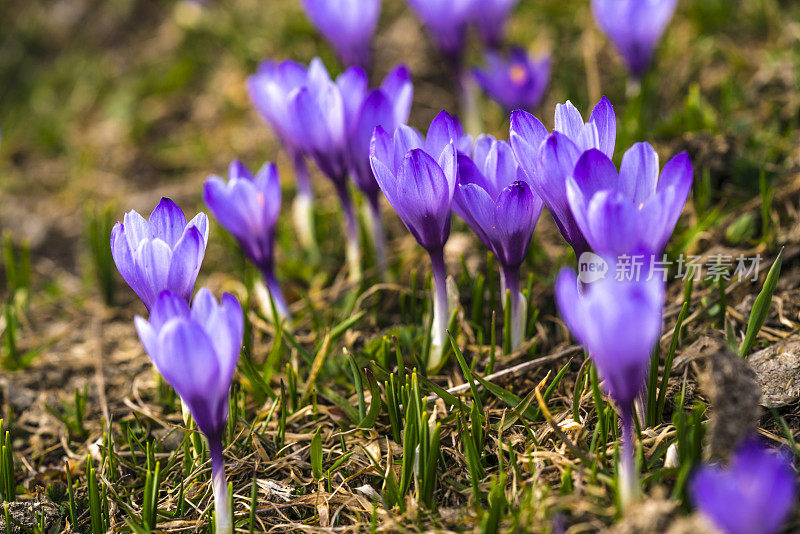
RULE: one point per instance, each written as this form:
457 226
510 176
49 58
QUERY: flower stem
628 478
303 206
275 291
351 230
373 211
441 310
468 103
519 311
222 501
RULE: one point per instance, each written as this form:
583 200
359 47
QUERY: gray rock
778 372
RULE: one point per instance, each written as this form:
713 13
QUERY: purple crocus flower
418 177
494 199
248 207
324 113
518 82
270 88
388 107
347 24
633 209
634 26
196 351
548 160
490 17
756 493
164 252
447 22
618 323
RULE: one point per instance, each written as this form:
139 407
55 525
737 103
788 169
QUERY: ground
107 106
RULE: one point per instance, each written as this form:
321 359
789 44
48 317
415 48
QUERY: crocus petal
167 222
187 361
515 215
123 256
153 264
398 89
605 120
268 195
474 205
569 302
595 172
187 257
423 198
381 147
568 120
500 166
405 140
638 174
352 85
443 129
558 156
234 205
136 229
168 305
376 111
200 221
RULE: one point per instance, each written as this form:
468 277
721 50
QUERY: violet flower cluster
194 348
332 121
418 177
516 82
495 200
755 493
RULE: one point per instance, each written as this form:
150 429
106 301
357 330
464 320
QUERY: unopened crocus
248 207
755 493
490 17
347 24
388 107
515 83
196 351
634 26
618 322
324 113
418 177
619 213
493 197
164 252
269 89
549 159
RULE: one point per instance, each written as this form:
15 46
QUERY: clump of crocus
549 159
756 492
322 112
347 24
618 323
269 90
418 177
164 252
619 213
388 107
515 83
196 351
493 197
248 207
634 26
490 17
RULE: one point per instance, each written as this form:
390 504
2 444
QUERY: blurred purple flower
618 323
516 83
270 88
323 114
418 177
494 199
633 209
347 24
248 207
447 22
756 493
490 17
196 351
634 26
161 253
548 160
388 107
